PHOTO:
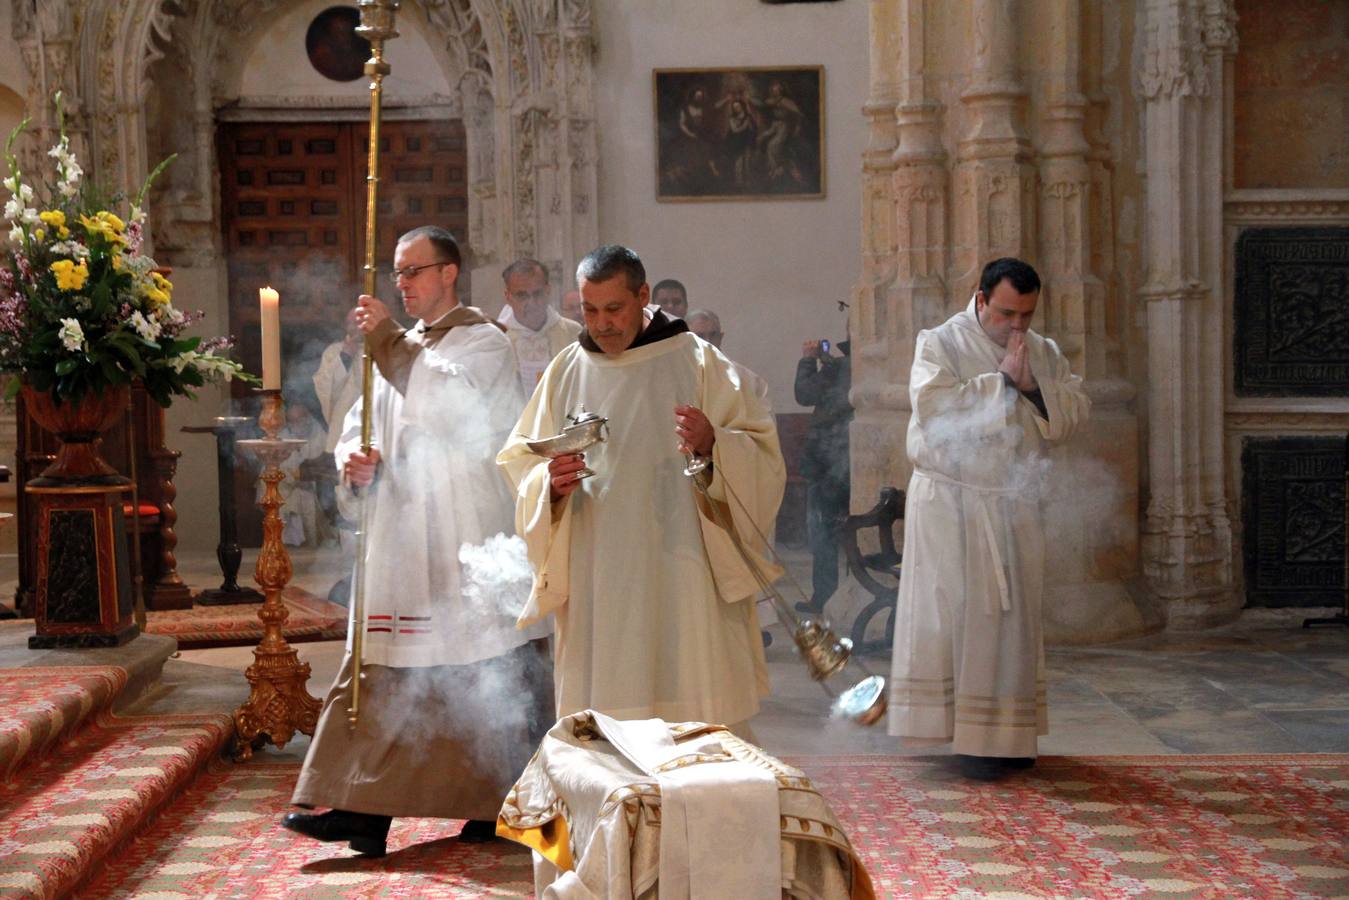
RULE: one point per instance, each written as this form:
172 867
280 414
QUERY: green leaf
129 354
66 366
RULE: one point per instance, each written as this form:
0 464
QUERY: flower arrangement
81 308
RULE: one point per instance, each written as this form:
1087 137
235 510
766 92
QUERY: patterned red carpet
61 814
43 706
221 840
311 619
1197 827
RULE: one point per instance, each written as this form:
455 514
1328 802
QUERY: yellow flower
158 290
106 224
39 235
57 220
69 275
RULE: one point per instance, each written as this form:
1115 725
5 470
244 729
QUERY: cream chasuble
968 654
654 607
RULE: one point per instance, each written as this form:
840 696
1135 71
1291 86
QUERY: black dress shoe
365 833
476 831
991 768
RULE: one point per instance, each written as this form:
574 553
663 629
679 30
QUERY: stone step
67 811
45 706
47 696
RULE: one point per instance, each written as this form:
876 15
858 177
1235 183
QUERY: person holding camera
823 381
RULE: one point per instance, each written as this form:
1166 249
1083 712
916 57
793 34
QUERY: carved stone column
553 210
1091 514
905 190
1187 537
994 181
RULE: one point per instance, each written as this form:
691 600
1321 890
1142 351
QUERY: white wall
278 67
772 269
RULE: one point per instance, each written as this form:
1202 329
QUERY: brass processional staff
377 26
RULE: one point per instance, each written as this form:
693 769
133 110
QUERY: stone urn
78 426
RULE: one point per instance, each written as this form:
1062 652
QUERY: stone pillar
994 180
1187 536
906 190
1092 510
1040 190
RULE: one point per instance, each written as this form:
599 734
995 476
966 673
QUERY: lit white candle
271 339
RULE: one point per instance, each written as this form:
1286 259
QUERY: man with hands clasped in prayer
988 396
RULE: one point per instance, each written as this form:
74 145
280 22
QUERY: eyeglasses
410 272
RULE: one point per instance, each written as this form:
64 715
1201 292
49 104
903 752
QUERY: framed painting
739 134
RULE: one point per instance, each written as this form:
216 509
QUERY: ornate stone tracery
519 72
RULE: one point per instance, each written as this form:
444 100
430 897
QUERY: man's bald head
705 324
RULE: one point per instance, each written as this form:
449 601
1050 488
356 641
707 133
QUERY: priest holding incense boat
654 606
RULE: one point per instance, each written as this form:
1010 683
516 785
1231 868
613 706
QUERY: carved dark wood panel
1292 312
293 200
1293 515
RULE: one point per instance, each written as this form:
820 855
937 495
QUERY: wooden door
293 199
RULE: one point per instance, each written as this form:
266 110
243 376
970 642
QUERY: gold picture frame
744 133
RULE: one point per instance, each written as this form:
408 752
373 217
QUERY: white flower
137 214
25 192
30 217
139 265
68 189
16 235
72 335
13 209
211 367
167 313
72 249
146 328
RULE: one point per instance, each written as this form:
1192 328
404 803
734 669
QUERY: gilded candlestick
278 704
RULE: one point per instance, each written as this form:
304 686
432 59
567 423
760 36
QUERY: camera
824 345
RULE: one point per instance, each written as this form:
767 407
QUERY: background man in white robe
654 608
453 697
537 330
337 381
571 306
988 396
671 296
707 325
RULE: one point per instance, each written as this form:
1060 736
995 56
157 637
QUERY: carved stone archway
522 72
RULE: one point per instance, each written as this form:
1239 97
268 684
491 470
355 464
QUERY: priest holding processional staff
439 701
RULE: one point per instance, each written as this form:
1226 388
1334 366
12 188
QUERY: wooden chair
884 563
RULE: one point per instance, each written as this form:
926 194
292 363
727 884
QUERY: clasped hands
1016 363
696 437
